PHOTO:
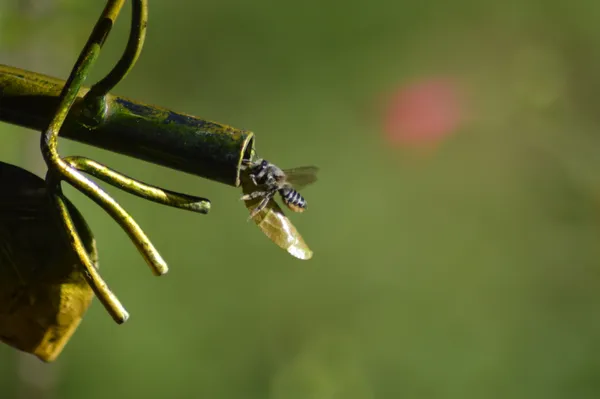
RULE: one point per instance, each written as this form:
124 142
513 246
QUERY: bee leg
253 195
245 164
260 207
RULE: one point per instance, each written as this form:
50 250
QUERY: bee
270 179
261 181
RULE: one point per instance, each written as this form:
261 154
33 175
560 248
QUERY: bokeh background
455 225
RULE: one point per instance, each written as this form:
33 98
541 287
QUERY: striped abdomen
292 199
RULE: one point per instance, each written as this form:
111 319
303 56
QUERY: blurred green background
470 270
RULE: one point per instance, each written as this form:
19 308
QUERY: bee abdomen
293 199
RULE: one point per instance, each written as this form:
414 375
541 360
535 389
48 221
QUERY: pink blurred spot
424 112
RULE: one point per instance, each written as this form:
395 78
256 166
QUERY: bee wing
302 176
276 226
